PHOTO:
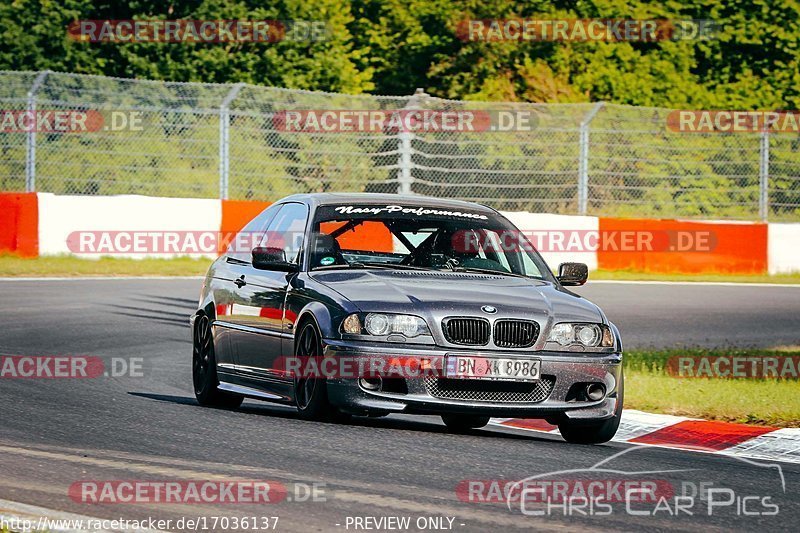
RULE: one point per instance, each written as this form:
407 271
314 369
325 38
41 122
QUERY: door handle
240 282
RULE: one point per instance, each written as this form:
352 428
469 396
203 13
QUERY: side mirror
265 258
573 273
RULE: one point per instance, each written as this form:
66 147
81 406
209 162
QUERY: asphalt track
54 433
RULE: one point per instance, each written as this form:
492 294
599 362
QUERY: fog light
370 383
595 391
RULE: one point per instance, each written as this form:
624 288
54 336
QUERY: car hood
437 293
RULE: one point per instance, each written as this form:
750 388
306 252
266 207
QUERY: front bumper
566 368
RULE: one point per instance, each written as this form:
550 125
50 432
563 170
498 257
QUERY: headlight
587 335
563 334
377 324
383 324
380 324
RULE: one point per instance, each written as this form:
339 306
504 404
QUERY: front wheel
462 423
310 391
598 432
204 369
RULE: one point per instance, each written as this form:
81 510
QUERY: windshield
414 237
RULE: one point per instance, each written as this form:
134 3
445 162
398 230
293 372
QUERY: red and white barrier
784 248
62 216
562 251
19 224
33 224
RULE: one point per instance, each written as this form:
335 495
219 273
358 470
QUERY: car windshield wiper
371 264
489 271
393 266
330 267
398 266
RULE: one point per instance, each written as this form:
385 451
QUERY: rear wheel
204 369
461 423
311 392
598 432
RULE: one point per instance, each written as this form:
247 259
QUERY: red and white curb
738 440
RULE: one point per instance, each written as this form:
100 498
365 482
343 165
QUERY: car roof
328 198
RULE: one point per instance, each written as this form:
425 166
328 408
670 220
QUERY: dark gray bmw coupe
367 304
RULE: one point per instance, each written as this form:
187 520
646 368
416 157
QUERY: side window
243 243
287 229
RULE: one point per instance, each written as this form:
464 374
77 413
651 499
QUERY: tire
598 432
204 369
311 394
463 423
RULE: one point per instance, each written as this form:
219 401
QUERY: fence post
763 177
30 144
583 161
404 176
224 139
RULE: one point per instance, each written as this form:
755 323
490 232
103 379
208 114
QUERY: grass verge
57 266
648 387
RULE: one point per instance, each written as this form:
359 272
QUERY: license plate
478 367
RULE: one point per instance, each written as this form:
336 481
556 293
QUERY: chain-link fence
217 140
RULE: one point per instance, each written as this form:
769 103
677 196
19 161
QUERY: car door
228 304
262 296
